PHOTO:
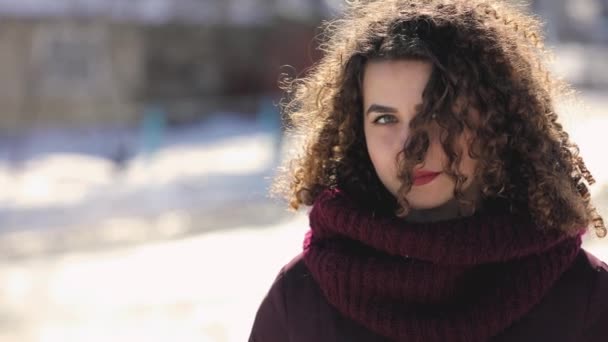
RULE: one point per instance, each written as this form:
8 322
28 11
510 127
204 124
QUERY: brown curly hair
486 55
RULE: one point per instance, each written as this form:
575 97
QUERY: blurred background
137 143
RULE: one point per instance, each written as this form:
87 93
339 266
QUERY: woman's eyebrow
380 108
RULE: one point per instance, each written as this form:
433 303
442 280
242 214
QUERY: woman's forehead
395 83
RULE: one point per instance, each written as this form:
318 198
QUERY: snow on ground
201 287
80 199
85 186
55 181
206 288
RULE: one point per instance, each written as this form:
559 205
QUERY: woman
448 203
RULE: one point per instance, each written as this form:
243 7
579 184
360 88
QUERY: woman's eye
385 119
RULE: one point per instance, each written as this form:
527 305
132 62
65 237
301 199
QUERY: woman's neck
449 210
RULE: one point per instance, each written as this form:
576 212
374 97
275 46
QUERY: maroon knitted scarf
465 279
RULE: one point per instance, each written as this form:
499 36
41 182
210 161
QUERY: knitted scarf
464 279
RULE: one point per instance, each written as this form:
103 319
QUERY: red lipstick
422 177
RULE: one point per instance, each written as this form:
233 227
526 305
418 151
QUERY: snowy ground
90 253
205 288
185 187
94 254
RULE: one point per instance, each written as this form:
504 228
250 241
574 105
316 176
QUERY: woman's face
391 91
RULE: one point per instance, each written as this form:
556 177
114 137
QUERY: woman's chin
437 195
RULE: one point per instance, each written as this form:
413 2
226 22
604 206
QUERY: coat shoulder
306 315
300 290
295 268
596 317
573 310
595 263
286 304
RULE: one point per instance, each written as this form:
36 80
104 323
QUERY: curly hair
487 56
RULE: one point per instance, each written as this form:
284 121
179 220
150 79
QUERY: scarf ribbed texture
465 279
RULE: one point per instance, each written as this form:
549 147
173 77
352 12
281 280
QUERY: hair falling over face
487 57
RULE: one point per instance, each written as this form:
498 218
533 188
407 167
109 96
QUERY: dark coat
574 310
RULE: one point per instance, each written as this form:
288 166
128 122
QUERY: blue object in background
153 129
268 120
268 116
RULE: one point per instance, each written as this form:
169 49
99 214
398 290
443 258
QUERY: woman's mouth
424 177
